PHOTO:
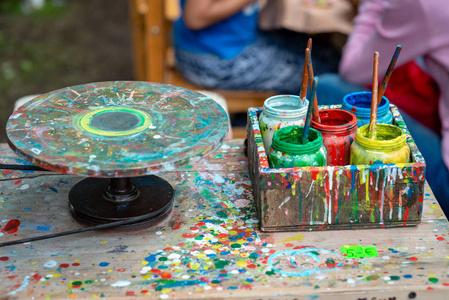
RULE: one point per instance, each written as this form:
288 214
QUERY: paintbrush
315 113
303 92
305 133
386 78
373 115
305 76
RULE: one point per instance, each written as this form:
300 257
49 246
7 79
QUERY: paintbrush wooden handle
305 77
373 115
315 112
305 133
388 73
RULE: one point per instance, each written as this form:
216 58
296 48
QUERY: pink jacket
420 26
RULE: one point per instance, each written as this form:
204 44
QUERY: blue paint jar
359 103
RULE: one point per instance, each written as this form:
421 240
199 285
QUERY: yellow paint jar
389 146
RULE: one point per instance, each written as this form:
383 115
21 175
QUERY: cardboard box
335 197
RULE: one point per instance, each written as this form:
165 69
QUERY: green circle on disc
115 121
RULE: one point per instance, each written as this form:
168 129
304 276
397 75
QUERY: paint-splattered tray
339 197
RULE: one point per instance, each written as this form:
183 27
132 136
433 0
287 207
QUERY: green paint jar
287 150
389 146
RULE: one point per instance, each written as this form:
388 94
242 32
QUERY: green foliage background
64 43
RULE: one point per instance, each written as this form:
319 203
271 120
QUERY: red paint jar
338 128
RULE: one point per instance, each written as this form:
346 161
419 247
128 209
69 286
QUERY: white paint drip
21 287
382 200
310 189
329 212
285 201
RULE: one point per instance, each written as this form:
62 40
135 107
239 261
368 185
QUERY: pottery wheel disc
116 129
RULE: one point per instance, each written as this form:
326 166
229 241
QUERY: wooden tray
335 197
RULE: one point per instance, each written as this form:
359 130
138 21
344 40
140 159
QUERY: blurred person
218 45
420 27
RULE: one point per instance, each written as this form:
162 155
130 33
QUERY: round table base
103 200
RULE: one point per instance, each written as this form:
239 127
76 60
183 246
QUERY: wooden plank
137 10
155 41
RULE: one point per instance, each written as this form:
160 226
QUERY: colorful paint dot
76 284
104 264
394 277
433 279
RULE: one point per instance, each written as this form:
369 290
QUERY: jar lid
289 140
285 106
359 103
336 121
388 137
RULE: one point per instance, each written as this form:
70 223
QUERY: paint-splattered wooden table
209 247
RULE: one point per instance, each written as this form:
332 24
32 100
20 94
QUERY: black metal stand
103 200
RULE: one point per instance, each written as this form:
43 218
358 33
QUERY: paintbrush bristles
305 133
388 73
374 94
305 77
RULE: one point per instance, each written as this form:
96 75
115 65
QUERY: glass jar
287 150
389 146
338 128
359 103
281 111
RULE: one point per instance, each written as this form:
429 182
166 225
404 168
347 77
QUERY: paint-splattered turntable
117 133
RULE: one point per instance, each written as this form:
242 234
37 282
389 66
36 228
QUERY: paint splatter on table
116 129
209 247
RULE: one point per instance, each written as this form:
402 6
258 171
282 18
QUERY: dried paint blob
433 280
305 261
121 283
50 264
11 227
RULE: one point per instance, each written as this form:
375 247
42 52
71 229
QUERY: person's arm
380 26
199 14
